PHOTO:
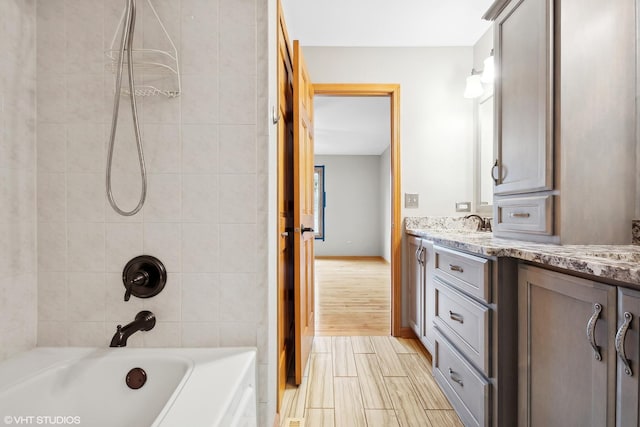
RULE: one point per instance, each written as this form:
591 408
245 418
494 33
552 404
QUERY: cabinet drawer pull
456 268
454 376
620 338
455 316
520 215
493 176
591 330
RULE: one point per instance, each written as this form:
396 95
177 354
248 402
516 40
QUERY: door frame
393 92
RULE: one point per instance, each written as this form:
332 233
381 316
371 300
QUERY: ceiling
386 22
361 125
345 125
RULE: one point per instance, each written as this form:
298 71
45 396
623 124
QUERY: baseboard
352 258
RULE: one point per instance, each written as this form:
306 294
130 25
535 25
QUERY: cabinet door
628 344
524 97
414 283
562 380
428 310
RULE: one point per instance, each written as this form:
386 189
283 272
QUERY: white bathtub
86 387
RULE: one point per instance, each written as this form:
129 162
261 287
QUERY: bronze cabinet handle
591 330
493 176
520 215
457 268
620 338
453 375
455 316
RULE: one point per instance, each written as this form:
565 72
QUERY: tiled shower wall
17 177
205 214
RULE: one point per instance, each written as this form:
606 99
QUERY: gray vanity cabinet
567 359
524 98
414 283
627 343
420 293
551 118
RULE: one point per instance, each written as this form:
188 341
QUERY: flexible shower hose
126 44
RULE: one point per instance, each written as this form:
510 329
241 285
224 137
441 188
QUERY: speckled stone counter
614 262
635 232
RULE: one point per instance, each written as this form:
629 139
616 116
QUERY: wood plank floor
353 296
367 381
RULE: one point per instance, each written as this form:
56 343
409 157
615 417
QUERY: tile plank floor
377 381
358 375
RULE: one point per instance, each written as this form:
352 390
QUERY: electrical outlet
463 206
411 200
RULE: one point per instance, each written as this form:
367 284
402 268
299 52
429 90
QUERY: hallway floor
373 381
353 296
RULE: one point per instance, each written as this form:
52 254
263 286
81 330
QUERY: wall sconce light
488 73
474 85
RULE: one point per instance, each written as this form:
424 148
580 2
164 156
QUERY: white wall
385 204
436 122
18 285
353 214
206 215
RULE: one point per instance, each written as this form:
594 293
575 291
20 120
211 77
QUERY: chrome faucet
144 321
484 224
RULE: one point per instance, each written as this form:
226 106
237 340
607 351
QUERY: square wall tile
52 197
200 334
164 334
52 246
86 148
162 148
86 297
238 149
200 248
85 197
52 296
200 297
53 334
238 248
163 202
200 198
86 246
238 199
199 100
87 334
240 298
52 147
237 334
199 148
238 95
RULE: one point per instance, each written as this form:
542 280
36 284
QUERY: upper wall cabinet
524 98
564 120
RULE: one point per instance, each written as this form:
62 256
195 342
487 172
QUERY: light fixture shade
474 87
488 73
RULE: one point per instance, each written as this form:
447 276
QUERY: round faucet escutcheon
144 277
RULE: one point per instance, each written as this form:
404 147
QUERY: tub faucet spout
144 321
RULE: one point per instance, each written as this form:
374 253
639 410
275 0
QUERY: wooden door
285 206
303 219
628 346
562 380
524 97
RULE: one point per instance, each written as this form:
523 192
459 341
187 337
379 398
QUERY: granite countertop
615 262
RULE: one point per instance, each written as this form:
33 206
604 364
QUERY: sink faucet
144 321
484 223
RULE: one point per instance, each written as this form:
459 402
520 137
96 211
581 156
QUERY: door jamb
393 92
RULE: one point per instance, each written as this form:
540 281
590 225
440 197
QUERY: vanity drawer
467 390
465 323
466 272
533 214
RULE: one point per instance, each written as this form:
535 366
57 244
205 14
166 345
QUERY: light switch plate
463 206
411 200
